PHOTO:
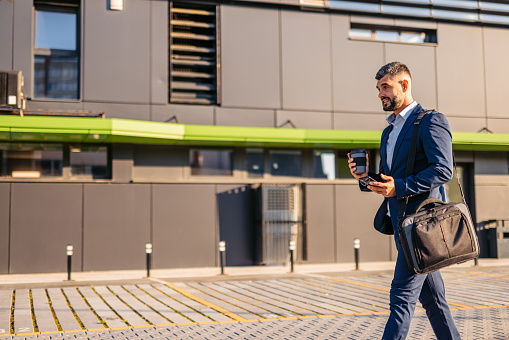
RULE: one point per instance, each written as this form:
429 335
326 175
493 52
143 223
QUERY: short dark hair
394 68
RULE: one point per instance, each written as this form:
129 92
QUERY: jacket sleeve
436 138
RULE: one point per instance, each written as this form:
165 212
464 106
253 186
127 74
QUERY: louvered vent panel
193 54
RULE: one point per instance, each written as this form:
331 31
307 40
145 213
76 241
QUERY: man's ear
404 85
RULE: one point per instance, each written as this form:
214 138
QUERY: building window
392 33
211 162
193 54
324 164
56 50
285 163
89 162
255 163
31 160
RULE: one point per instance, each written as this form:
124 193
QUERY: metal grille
11 94
193 54
280 222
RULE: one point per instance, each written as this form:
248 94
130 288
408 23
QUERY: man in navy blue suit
433 168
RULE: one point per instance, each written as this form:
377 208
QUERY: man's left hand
386 189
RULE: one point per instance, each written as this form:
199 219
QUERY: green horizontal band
114 130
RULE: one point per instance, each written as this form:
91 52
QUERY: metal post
356 247
292 255
222 255
148 251
70 251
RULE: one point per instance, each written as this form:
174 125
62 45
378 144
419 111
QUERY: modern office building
183 123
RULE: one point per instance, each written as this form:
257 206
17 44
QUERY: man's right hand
352 165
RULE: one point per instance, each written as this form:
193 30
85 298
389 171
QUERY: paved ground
335 305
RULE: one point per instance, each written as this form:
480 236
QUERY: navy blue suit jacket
432 168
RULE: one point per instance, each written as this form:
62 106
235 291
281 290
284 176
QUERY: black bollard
222 255
148 251
356 247
70 251
292 254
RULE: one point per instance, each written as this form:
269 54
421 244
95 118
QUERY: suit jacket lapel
383 148
408 123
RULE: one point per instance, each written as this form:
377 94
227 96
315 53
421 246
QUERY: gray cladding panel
320 223
45 217
116 52
421 61
496 50
159 162
159 53
4 227
116 222
184 225
355 64
472 124
355 211
460 75
244 117
360 121
306 60
127 111
306 119
186 114
6 16
22 42
122 162
250 60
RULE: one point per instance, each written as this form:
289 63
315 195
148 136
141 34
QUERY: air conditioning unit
11 90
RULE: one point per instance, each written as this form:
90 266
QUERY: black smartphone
367 180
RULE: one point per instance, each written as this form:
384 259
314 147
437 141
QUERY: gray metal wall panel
468 124
44 219
6 17
126 111
491 163
122 163
320 223
236 218
306 119
184 225
497 70
360 121
421 61
497 125
22 57
245 117
306 61
355 211
186 114
116 226
5 206
355 64
159 162
460 71
47 105
159 52
116 52
250 60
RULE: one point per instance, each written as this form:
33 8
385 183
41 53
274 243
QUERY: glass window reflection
55 30
255 163
211 162
324 165
29 160
285 163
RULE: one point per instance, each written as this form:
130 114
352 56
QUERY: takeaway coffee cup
359 157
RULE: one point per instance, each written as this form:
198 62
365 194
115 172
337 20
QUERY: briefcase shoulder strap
411 161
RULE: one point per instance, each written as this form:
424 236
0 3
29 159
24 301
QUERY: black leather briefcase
438 236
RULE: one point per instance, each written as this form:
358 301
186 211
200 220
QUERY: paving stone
64 314
84 313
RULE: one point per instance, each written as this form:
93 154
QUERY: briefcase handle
429 203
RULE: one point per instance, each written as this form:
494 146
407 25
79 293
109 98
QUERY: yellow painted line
486 274
358 284
257 320
385 290
458 305
206 303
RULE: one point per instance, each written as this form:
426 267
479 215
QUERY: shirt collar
403 114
